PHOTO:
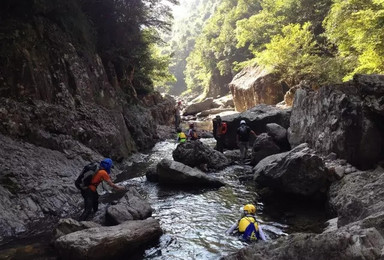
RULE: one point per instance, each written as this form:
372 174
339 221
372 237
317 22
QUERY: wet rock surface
109 242
178 175
68 225
131 207
195 153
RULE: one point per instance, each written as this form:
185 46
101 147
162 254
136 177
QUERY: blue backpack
251 233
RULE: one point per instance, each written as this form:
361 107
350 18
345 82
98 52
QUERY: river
194 222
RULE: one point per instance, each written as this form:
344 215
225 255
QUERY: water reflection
195 222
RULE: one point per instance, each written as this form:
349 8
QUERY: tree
356 27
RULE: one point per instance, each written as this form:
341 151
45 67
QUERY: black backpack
243 132
84 180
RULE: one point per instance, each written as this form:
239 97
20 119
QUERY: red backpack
224 128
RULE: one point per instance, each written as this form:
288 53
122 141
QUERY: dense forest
123 32
322 42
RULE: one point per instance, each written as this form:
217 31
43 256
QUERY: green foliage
215 53
295 56
356 27
182 40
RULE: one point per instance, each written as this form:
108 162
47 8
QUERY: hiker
247 226
177 115
242 139
192 135
90 195
219 131
181 137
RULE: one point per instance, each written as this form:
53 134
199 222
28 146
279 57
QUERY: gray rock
342 119
279 135
182 176
131 207
195 153
198 107
262 147
295 172
108 242
68 225
257 119
357 195
342 244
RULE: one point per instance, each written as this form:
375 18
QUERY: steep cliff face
60 107
346 119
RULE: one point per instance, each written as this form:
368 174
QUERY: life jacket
181 137
250 228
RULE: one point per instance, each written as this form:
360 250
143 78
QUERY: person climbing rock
181 136
242 139
192 135
90 195
219 131
247 226
177 112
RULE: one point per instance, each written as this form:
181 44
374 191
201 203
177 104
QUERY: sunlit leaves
356 27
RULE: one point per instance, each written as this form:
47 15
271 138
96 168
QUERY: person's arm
254 134
110 183
232 228
261 233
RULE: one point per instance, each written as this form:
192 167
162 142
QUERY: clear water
194 222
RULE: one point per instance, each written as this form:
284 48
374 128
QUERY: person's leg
245 150
95 204
88 203
220 144
242 151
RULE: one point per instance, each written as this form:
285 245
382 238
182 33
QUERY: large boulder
195 153
357 195
298 172
279 136
253 86
68 225
346 119
349 243
175 174
263 146
108 242
199 106
257 118
131 207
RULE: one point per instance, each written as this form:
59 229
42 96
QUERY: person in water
90 195
247 226
181 136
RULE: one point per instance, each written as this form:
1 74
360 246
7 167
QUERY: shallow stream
194 222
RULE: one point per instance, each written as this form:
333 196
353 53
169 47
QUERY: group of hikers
94 174
219 131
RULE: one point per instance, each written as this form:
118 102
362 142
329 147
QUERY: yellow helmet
250 209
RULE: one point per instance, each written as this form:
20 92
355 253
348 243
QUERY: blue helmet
106 164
